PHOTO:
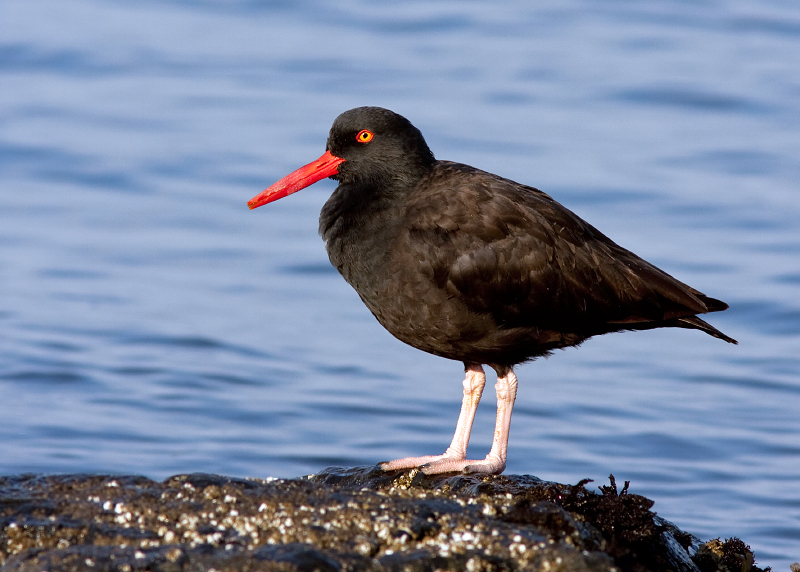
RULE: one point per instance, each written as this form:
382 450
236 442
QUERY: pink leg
457 451
495 461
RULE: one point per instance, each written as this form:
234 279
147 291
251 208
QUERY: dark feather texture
474 267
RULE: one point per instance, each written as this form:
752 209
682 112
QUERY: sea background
151 324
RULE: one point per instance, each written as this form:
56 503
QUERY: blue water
151 324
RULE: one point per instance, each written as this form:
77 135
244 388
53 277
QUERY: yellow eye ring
365 136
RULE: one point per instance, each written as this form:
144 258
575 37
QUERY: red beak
325 166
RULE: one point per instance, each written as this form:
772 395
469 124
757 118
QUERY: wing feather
513 252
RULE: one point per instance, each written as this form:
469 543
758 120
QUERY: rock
342 519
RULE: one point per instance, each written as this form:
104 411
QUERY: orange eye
365 136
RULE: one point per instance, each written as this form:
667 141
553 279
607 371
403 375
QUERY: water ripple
691 99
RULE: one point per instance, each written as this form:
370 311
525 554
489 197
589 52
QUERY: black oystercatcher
473 267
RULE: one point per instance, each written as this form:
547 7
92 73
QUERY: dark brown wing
511 251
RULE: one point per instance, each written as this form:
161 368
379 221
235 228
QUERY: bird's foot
439 464
490 466
413 462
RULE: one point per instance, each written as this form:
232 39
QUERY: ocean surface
151 324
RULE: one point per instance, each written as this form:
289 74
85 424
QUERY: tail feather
712 304
695 323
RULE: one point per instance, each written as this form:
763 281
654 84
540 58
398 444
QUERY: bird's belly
432 320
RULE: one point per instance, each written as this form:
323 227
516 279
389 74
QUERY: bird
474 267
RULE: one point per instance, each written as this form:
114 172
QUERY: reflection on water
151 324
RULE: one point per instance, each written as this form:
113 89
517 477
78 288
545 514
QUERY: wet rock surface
342 519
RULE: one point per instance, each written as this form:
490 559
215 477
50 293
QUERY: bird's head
367 146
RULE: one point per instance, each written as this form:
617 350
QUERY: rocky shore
343 519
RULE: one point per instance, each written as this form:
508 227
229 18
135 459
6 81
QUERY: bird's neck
356 210
358 225
365 203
